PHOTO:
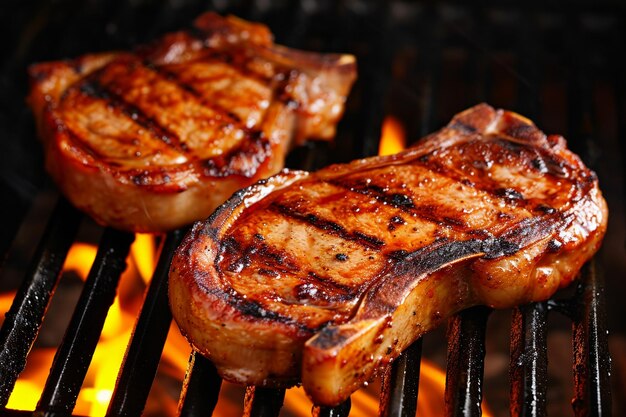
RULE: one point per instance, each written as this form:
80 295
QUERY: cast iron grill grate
419 61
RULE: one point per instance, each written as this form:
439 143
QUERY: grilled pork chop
325 277
158 138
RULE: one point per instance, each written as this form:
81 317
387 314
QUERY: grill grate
419 61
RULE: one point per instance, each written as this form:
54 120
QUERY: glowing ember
392 138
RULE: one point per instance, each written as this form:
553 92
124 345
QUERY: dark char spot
539 164
341 257
252 308
543 208
394 222
329 337
268 272
401 200
509 194
554 245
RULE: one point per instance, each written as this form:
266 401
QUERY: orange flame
100 381
101 376
5 303
143 252
28 387
392 138
79 259
430 401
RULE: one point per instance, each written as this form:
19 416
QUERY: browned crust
197 297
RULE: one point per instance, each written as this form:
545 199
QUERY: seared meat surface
325 277
158 138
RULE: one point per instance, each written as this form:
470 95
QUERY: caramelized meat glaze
325 277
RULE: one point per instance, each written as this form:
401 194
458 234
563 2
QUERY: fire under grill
419 62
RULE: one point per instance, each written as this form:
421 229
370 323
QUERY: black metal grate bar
466 355
401 383
342 410
263 402
144 352
592 366
529 361
75 352
24 319
371 32
201 388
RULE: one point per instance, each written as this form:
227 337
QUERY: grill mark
537 159
325 289
531 229
175 79
245 159
509 195
269 261
252 308
261 255
78 141
396 200
140 177
91 87
239 59
425 260
329 226
236 57
402 202
280 79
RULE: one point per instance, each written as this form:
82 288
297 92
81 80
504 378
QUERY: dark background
562 64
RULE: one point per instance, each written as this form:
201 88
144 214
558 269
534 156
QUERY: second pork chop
155 139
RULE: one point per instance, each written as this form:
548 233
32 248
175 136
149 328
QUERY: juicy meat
158 138
325 277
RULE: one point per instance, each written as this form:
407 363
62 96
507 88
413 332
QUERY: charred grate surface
418 61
